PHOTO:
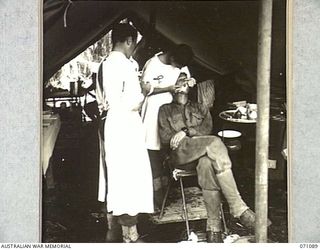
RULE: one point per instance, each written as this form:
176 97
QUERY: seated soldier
184 129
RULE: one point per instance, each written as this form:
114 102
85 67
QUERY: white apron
130 187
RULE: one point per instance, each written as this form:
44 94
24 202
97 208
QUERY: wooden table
63 95
227 115
51 126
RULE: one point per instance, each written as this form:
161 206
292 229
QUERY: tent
223 34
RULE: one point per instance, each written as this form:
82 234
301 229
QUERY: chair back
206 93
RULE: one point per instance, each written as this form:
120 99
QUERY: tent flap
223 34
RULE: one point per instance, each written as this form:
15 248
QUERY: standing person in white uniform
129 176
161 72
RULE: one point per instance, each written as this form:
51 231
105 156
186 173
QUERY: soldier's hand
176 139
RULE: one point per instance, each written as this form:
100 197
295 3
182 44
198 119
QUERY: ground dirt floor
71 212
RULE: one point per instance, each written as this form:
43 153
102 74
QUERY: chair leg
226 231
184 207
165 199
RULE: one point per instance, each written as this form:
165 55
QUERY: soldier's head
181 96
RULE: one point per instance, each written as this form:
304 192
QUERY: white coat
159 75
129 176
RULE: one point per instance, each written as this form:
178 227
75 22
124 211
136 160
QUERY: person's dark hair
182 54
122 31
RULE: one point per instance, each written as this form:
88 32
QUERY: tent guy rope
65 13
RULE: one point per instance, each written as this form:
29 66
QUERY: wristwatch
186 130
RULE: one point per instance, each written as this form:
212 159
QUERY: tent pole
262 130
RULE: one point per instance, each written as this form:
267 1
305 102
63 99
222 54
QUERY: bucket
229 134
231 138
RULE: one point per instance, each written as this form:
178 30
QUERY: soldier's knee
204 164
219 143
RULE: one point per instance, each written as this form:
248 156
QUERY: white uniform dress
129 181
159 75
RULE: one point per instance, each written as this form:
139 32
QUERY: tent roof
222 33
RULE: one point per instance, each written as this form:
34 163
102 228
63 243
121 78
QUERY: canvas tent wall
223 34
